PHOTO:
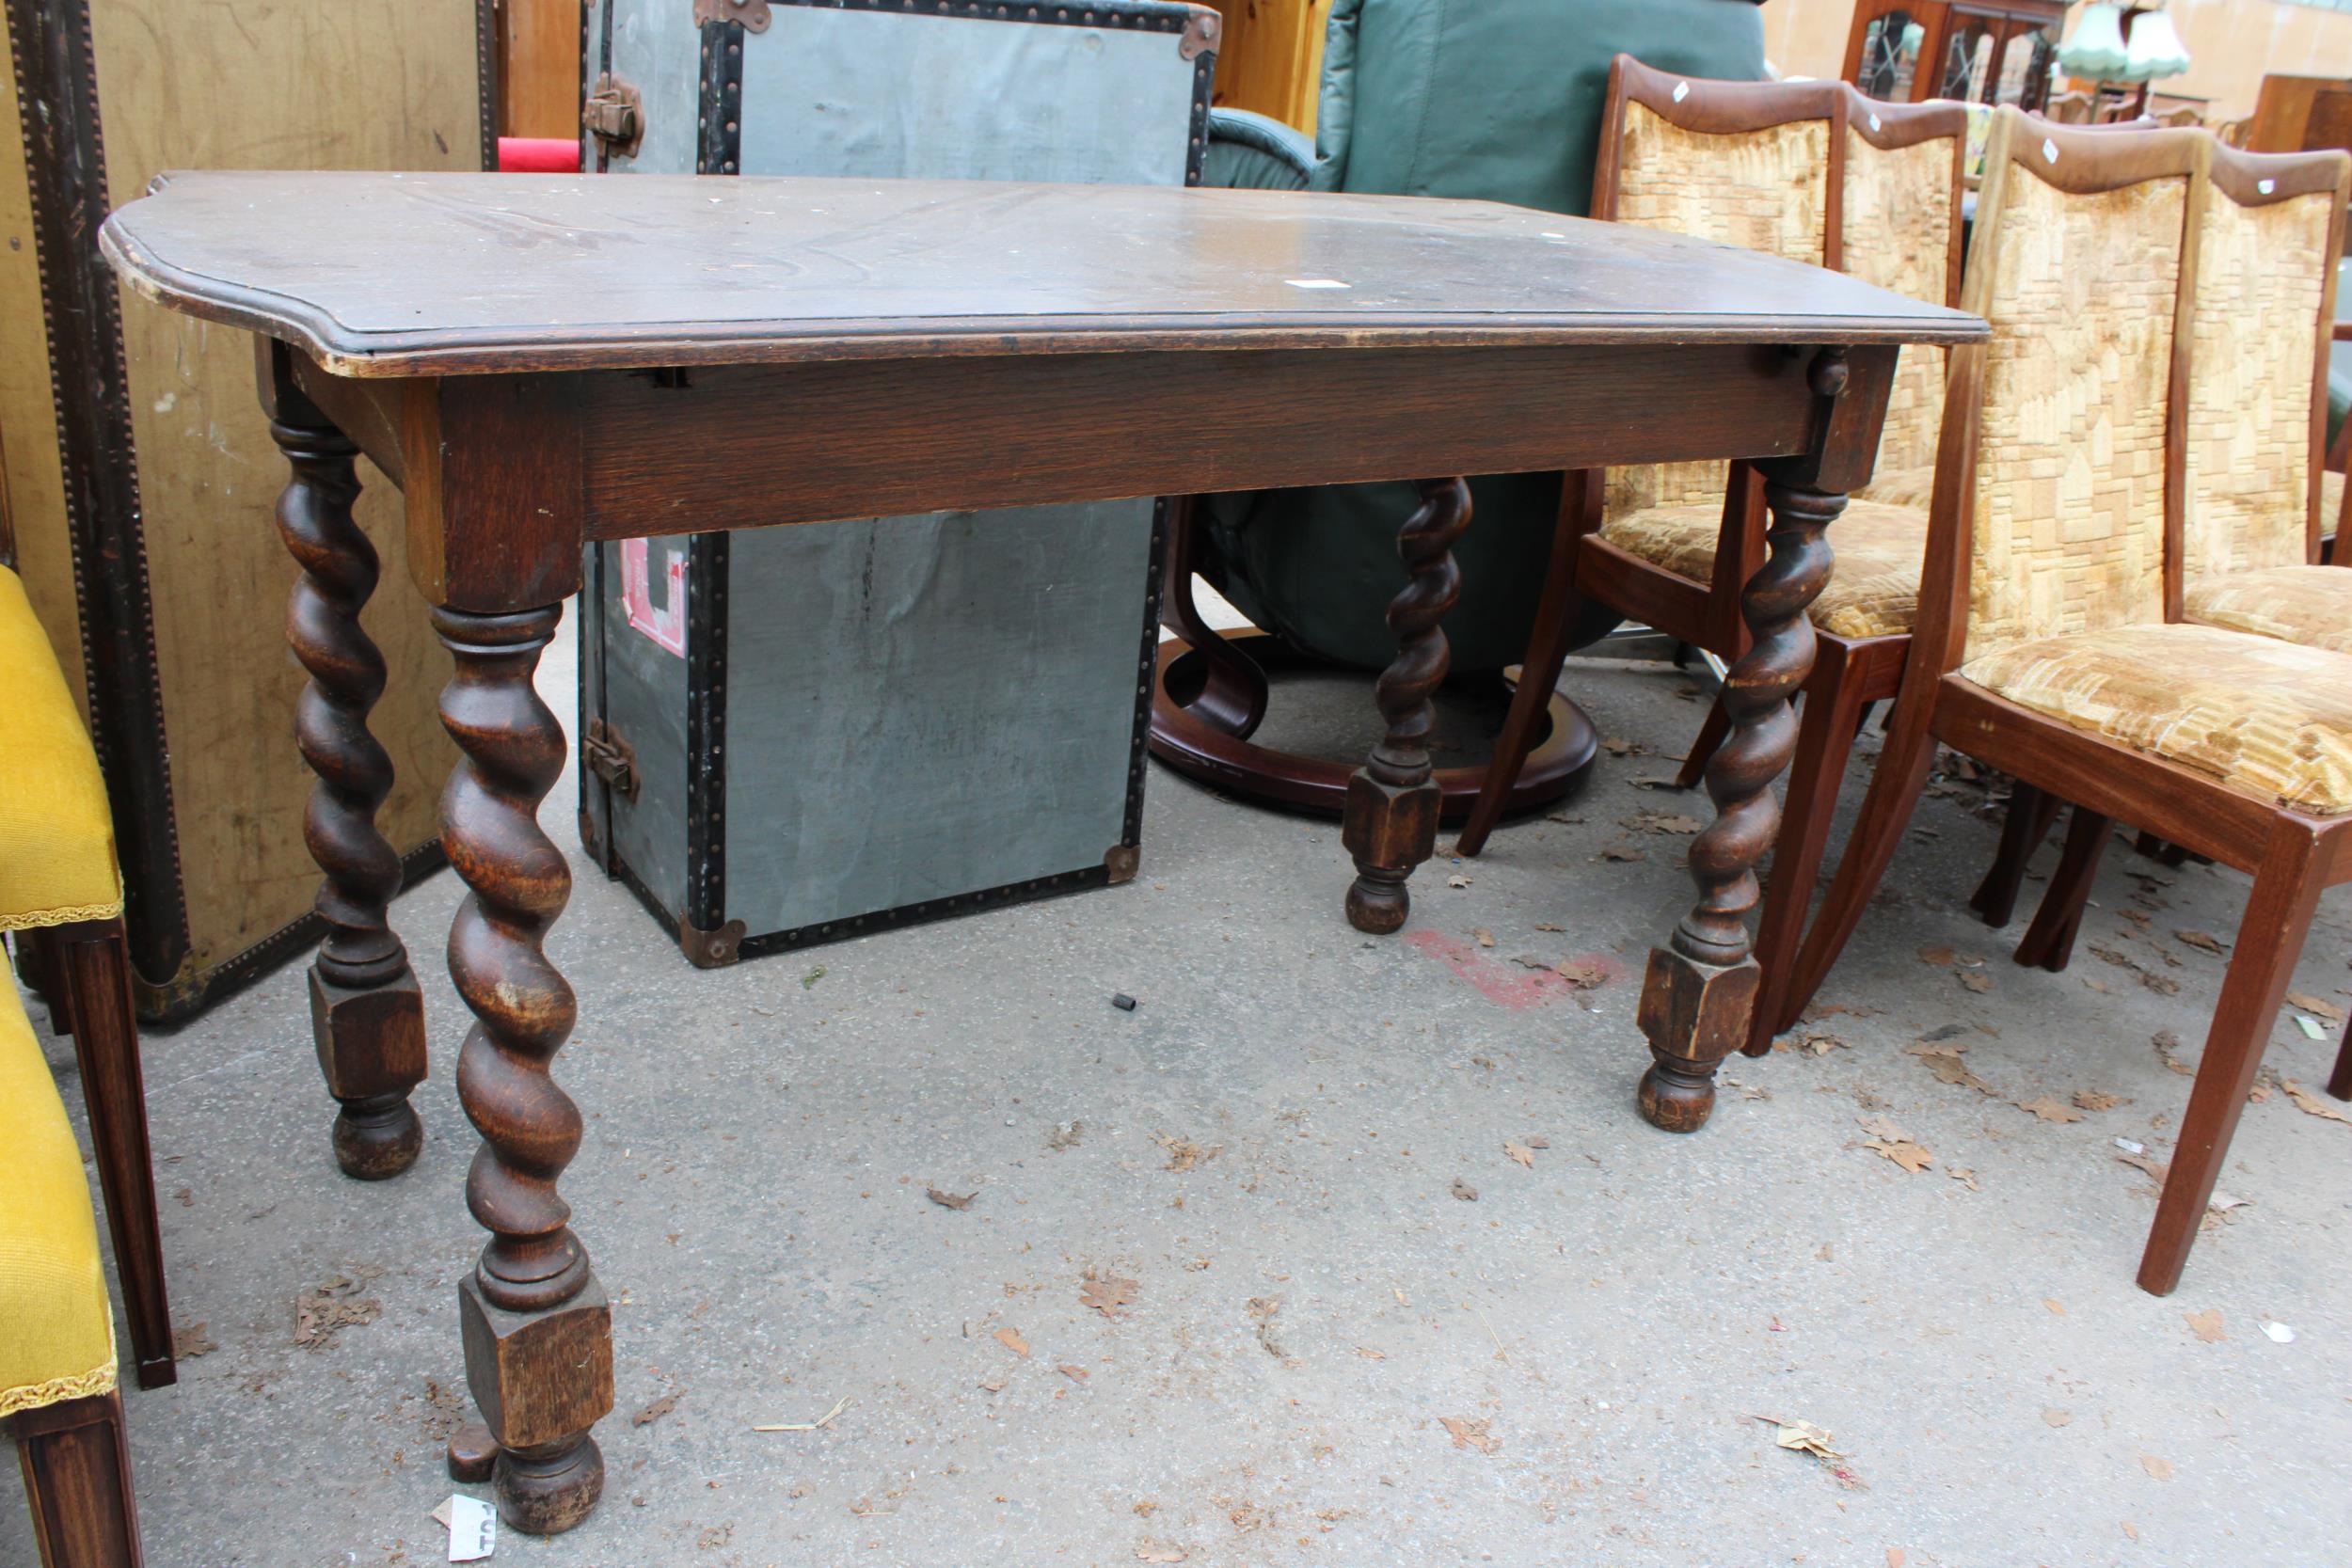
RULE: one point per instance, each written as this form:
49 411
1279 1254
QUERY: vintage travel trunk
141 472
797 735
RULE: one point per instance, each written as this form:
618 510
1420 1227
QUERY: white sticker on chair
1874 122
2049 151
1682 90
1317 283
2269 188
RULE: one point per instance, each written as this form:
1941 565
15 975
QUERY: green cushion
1255 152
1493 99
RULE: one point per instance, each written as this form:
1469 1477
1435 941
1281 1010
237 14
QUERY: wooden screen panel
28 420
260 83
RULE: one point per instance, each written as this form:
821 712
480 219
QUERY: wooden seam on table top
928 243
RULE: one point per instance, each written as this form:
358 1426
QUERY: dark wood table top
396 275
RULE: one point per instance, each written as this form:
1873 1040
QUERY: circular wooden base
1676 1101
376 1140
1195 745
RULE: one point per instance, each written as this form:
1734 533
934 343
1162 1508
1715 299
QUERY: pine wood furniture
541 363
2050 640
1869 188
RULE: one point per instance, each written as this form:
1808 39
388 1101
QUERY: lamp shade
2155 49
2096 51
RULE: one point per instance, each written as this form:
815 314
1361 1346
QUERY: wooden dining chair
1674 546
2255 501
2045 644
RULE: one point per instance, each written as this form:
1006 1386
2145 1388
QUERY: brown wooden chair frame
82 970
2049 939
2292 855
1849 673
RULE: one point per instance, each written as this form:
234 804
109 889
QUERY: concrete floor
1316 1296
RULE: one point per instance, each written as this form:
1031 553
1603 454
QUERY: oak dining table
540 363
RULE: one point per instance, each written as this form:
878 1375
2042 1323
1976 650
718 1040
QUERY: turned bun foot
1378 907
374 1142
472 1453
1676 1100
546 1491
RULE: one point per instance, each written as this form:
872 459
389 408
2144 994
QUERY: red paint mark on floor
1503 983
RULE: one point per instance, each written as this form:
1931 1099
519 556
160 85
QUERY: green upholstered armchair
1499 100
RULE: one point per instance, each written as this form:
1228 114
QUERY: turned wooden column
365 1011
1700 988
1393 799
537 1327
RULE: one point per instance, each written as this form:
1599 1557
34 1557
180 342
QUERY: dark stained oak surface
377 273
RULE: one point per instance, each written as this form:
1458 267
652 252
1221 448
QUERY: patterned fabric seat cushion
56 1335
2311 604
2267 718
56 835
1873 591
1914 488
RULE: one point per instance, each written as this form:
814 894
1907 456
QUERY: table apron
733 447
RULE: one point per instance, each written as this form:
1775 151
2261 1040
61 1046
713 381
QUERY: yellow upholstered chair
2044 643
58 1395
61 902
1813 171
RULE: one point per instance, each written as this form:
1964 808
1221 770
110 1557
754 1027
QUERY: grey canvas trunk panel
834 727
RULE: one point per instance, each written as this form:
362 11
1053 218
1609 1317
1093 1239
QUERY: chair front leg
93 965
77 1482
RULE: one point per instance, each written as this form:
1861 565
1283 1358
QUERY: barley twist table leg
367 1013
1393 799
537 1327
1700 987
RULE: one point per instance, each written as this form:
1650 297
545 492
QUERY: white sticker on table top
474 1528
1682 90
1317 283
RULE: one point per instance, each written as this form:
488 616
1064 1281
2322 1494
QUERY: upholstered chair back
2258 341
2079 268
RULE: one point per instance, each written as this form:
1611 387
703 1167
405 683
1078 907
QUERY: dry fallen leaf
2056 1309
1976 981
1616 746
1940 957
2167 1042
655 1411
2057 1418
1661 822
1010 1339
1623 852
1470 1432
949 1200
1183 1153
189 1342
1548 925
1584 975
2096 1100
2049 1109
1893 1142
2160 1468
2309 1103
2317 1006
323 1313
1464 1191
1076 1374
1065 1136
1521 1152
1965 1177
1107 1293
2204 940
1483 937
1154 1552
2206 1325
1457 880
1943 1061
